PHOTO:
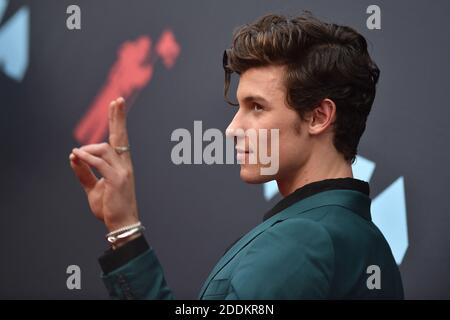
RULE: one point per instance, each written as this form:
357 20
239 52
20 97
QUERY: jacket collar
313 188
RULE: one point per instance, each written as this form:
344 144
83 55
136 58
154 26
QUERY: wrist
116 225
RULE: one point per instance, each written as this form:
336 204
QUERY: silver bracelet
126 228
124 232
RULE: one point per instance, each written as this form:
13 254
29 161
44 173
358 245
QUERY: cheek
292 146
288 124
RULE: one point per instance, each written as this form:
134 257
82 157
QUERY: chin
252 174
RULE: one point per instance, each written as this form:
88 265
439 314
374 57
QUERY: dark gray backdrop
194 212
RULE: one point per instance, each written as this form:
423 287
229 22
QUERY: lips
242 155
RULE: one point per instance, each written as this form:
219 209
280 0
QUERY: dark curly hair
323 60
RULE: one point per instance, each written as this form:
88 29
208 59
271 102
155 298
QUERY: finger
118 135
98 163
102 150
83 173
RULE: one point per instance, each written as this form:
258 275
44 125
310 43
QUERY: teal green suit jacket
321 247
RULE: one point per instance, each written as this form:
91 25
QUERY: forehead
266 82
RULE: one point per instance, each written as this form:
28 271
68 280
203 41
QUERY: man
315 82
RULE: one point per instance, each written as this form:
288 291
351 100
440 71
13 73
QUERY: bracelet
126 228
124 232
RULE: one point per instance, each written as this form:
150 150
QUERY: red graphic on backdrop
128 76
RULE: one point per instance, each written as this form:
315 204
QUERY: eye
257 107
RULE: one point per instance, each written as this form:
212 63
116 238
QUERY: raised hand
112 198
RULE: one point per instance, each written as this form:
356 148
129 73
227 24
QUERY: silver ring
122 149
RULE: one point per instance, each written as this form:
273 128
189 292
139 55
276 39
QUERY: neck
318 167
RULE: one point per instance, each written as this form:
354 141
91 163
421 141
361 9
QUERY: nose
235 124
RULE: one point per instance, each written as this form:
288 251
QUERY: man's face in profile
261 95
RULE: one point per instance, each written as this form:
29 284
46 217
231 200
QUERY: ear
322 117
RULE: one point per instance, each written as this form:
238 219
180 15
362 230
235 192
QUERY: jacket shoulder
293 259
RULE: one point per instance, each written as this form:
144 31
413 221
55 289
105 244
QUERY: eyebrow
254 98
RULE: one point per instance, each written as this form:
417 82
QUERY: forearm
132 271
